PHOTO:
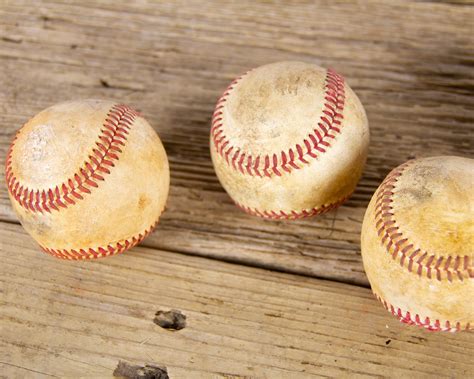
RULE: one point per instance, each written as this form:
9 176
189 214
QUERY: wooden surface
80 319
411 64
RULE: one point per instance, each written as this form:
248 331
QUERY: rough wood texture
80 319
410 63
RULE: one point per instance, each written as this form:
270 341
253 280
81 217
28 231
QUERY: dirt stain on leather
143 202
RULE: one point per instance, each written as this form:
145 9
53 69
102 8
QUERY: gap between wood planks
219 258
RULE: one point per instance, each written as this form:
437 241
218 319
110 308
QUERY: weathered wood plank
410 63
80 318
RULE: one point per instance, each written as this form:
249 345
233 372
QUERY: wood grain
80 318
410 63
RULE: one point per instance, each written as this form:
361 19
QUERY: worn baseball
87 179
289 140
418 243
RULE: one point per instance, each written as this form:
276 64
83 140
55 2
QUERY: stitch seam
415 319
106 151
291 215
278 163
101 251
414 259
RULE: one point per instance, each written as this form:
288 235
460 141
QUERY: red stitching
317 142
106 151
291 215
405 251
99 252
425 322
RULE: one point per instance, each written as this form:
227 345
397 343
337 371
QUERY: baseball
289 140
87 179
418 243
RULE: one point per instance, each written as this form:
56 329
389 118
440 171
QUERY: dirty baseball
87 179
289 140
417 243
